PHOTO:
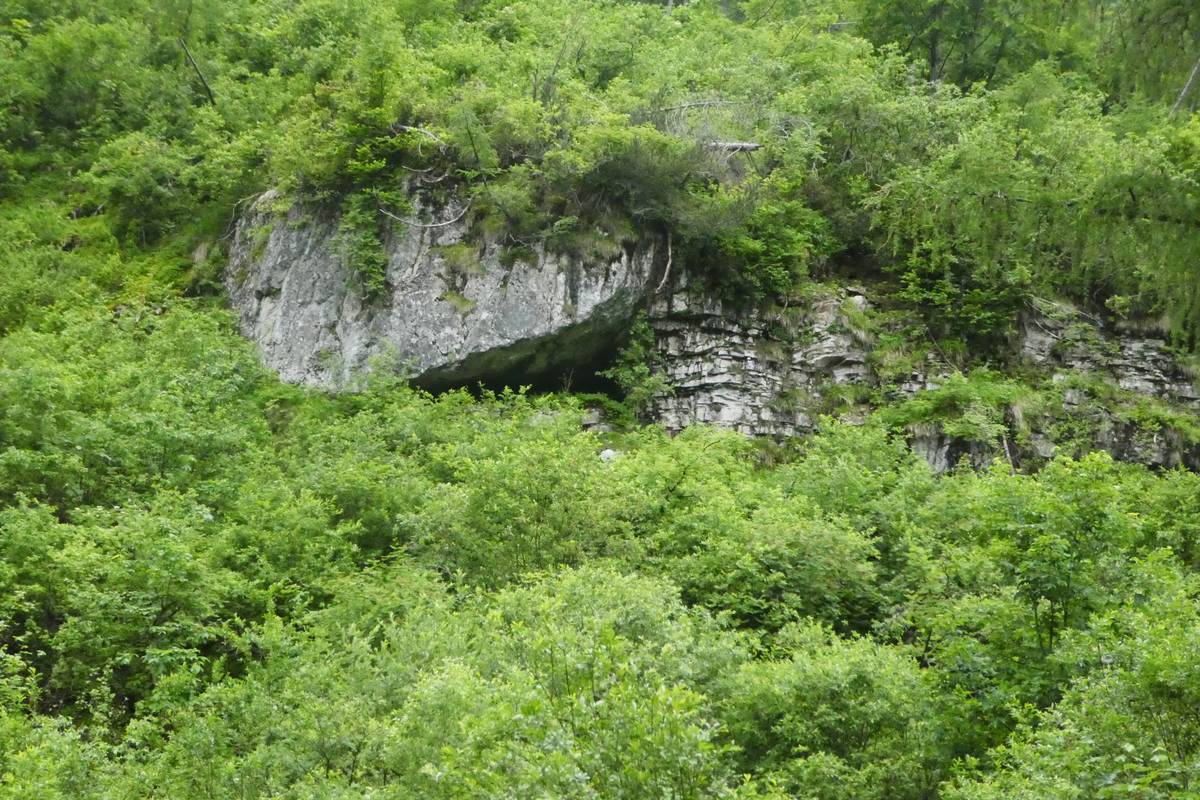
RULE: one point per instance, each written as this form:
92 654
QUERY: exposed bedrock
762 373
453 311
772 372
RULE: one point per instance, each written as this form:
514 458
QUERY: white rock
306 311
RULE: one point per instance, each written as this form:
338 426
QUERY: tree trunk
935 41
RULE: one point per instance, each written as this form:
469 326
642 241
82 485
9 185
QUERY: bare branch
1187 87
461 214
667 271
695 104
398 128
735 147
195 66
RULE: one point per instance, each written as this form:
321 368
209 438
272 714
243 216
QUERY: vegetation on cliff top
980 151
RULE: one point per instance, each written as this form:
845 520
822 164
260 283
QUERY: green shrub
638 369
839 719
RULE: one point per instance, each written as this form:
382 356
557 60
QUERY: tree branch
667 271
735 147
199 74
1187 87
398 128
461 214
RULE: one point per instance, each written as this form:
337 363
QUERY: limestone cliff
454 311
770 372
758 372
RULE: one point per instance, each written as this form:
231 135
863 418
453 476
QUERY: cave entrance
569 361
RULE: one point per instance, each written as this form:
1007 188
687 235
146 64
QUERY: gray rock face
454 313
943 452
443 321
771 373
1060 338
756 373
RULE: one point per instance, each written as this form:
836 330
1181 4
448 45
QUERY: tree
964 40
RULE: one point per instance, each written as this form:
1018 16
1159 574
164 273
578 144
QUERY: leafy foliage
213 585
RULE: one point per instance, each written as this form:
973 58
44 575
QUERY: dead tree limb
1187 87
397 128
694 104
667 270
461 214
735 147
199 74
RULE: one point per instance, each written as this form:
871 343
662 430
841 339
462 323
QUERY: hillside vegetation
214 585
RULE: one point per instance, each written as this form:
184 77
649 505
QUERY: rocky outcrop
454 310
770 373
761 373
1060 338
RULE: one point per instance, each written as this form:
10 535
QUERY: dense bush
841 719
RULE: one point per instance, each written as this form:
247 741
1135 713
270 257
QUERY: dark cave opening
569 361
581 377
